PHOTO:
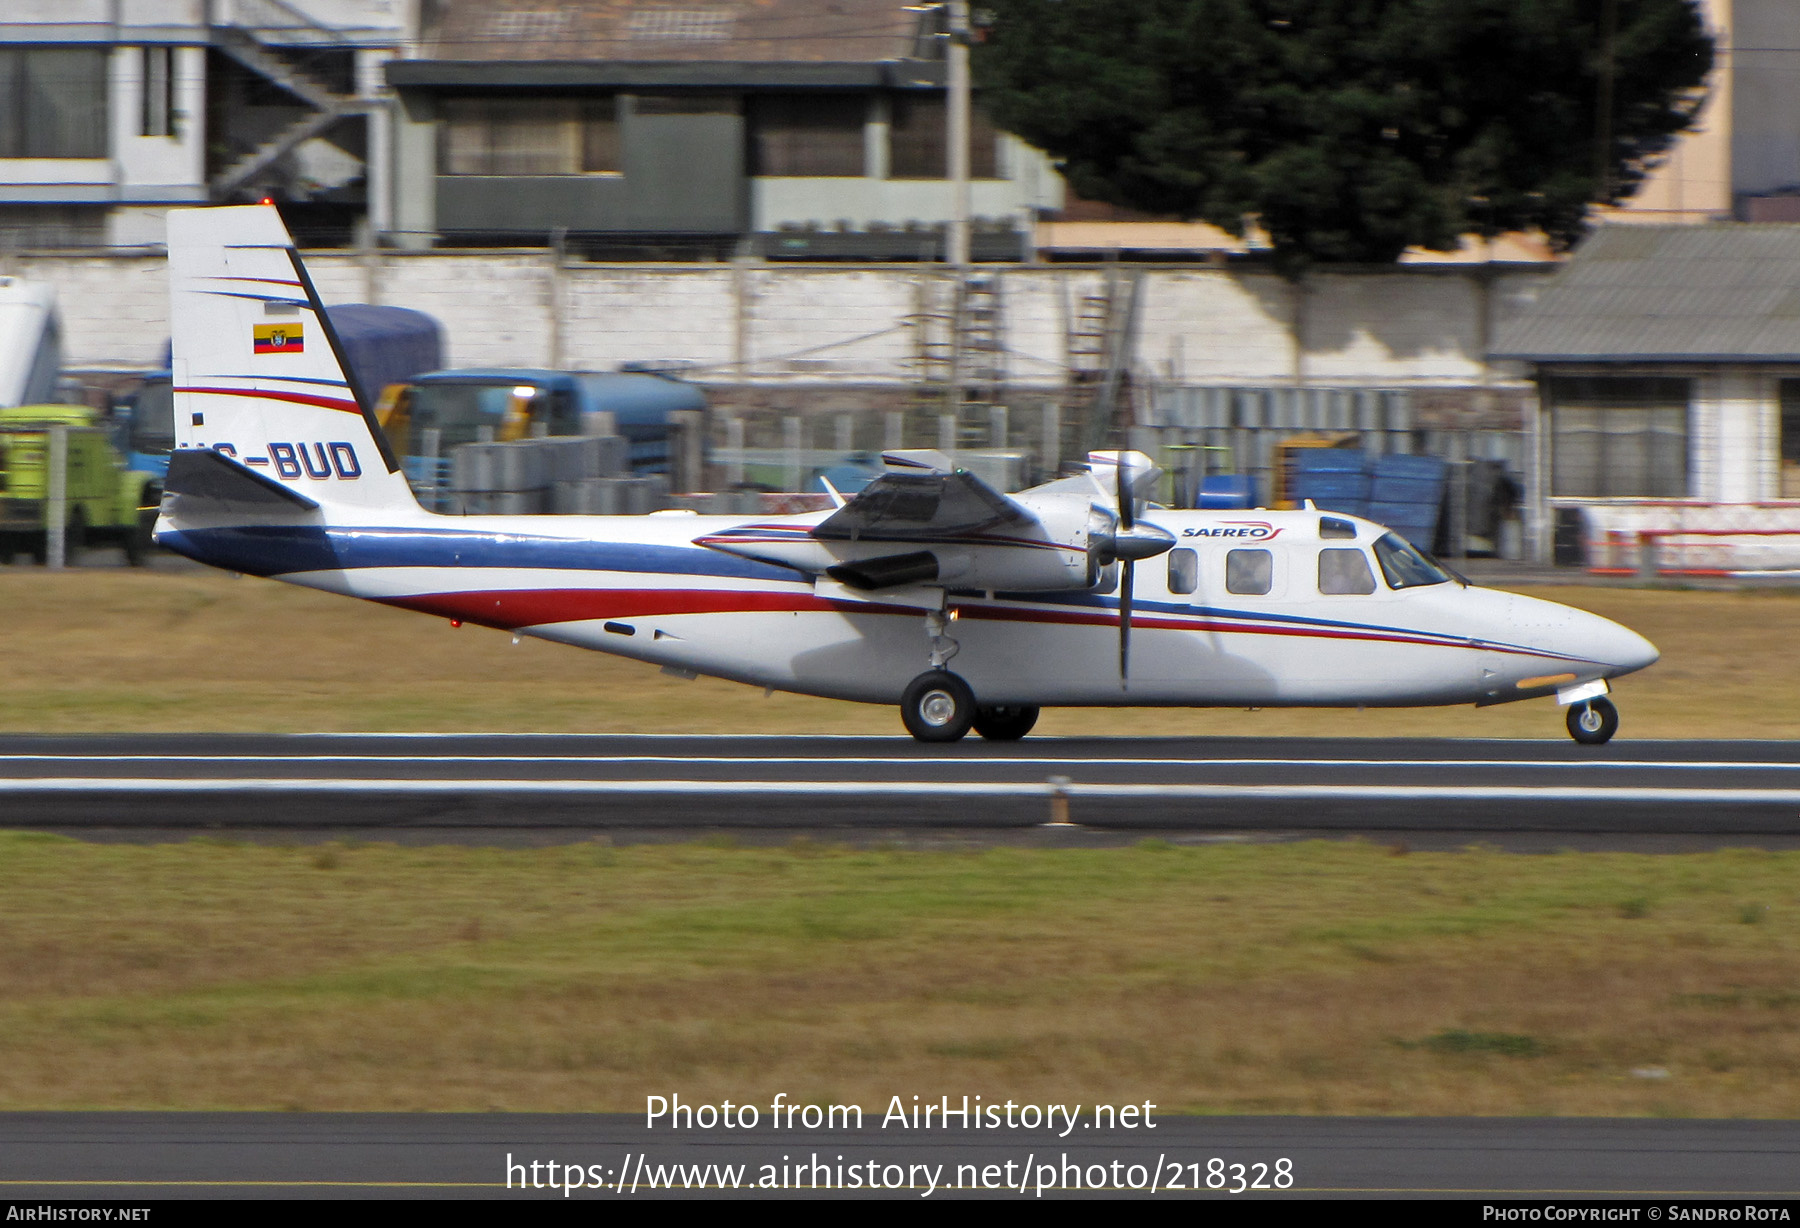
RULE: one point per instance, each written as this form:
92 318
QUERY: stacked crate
1335 479
1405 493
576 475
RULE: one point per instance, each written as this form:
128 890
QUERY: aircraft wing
921 507
924 527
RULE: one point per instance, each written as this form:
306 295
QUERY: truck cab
105 500
434 413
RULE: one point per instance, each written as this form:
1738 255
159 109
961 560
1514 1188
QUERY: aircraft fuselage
1202 633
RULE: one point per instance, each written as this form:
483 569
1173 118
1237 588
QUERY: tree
1349 130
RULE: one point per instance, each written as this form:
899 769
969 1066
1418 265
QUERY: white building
113 110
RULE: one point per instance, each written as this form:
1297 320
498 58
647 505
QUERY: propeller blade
1126 577
1127 513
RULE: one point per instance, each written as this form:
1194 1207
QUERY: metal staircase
267 32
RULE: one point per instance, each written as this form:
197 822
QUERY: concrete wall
837 323
853 323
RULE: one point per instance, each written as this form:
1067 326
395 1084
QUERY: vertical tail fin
259 375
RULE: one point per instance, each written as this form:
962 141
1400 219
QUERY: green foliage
1349 130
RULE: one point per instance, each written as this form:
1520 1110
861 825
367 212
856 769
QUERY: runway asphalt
125 1156
523 783
533 787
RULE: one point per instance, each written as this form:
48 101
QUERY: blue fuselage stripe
279 550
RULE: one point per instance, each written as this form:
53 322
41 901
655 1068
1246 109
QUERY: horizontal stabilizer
918 507
202 473
917 460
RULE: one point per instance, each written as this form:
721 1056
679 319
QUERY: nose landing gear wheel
1594 722
1005 722
937 706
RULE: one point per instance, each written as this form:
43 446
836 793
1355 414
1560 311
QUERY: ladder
958 363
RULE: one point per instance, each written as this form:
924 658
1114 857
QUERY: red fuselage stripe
296 398
512 609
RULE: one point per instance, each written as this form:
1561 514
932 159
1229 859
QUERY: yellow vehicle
105 501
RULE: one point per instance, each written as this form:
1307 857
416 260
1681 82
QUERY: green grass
1329 978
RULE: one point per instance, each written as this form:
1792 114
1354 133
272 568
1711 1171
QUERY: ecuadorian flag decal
278 338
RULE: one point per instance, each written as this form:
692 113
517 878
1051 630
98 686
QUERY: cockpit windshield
1404 566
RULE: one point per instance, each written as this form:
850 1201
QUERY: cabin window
1345 573
1249 573
1330 527
1184 570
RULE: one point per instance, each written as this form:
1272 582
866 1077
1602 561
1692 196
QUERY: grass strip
1298 978
139 651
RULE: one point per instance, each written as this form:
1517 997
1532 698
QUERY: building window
530 136
807 135
1622 437
685 104
52 225
157 116
53 102
1790 439
917 148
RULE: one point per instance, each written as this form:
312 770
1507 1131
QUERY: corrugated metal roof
1727 292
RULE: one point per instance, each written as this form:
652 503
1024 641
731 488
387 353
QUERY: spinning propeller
1125 541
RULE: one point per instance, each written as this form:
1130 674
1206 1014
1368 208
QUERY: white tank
30 342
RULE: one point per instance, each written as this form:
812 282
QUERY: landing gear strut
1594 721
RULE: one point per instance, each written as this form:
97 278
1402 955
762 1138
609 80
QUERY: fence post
56 511
1647 569
791 443
687 451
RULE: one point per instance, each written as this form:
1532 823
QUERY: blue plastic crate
1407 490
1326 460
1408 519
1431 468
1330 484
1227 490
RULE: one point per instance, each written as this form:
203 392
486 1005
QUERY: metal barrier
1649 551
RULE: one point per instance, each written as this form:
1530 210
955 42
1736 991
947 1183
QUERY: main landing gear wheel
1594 722
937 706
1005 722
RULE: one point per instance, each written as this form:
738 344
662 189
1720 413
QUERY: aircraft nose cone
1617 650
1628 650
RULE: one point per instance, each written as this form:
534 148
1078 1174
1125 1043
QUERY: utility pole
958 122
1603 108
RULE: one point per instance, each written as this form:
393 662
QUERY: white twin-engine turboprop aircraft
967 607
